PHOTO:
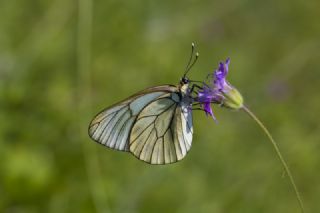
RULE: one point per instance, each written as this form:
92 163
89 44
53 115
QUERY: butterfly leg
193 87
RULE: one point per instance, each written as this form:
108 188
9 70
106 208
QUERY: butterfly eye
184 80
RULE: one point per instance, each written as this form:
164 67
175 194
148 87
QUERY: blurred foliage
63 61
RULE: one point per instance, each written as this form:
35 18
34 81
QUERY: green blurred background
63 61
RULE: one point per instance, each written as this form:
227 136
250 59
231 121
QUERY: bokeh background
62 61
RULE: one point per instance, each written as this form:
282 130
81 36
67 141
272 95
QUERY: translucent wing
163 131
111 127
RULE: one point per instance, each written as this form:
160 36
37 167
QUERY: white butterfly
155 125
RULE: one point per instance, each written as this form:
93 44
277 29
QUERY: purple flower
205 97
220 75
219 91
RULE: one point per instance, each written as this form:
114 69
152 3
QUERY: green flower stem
83 93
275 146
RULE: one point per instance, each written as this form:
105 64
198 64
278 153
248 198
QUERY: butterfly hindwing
162 133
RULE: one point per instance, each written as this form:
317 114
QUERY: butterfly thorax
185 93
184 86
184 89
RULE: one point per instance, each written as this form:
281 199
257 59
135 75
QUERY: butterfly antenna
191 65
190 62
191 55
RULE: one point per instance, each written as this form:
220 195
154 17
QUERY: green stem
275 146
83 93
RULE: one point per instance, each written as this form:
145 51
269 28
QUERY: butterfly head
184 84
184 80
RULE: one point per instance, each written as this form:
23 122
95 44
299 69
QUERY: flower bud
232 99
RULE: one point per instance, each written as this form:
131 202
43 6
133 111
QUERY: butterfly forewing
112 126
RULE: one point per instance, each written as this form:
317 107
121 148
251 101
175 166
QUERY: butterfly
155 124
